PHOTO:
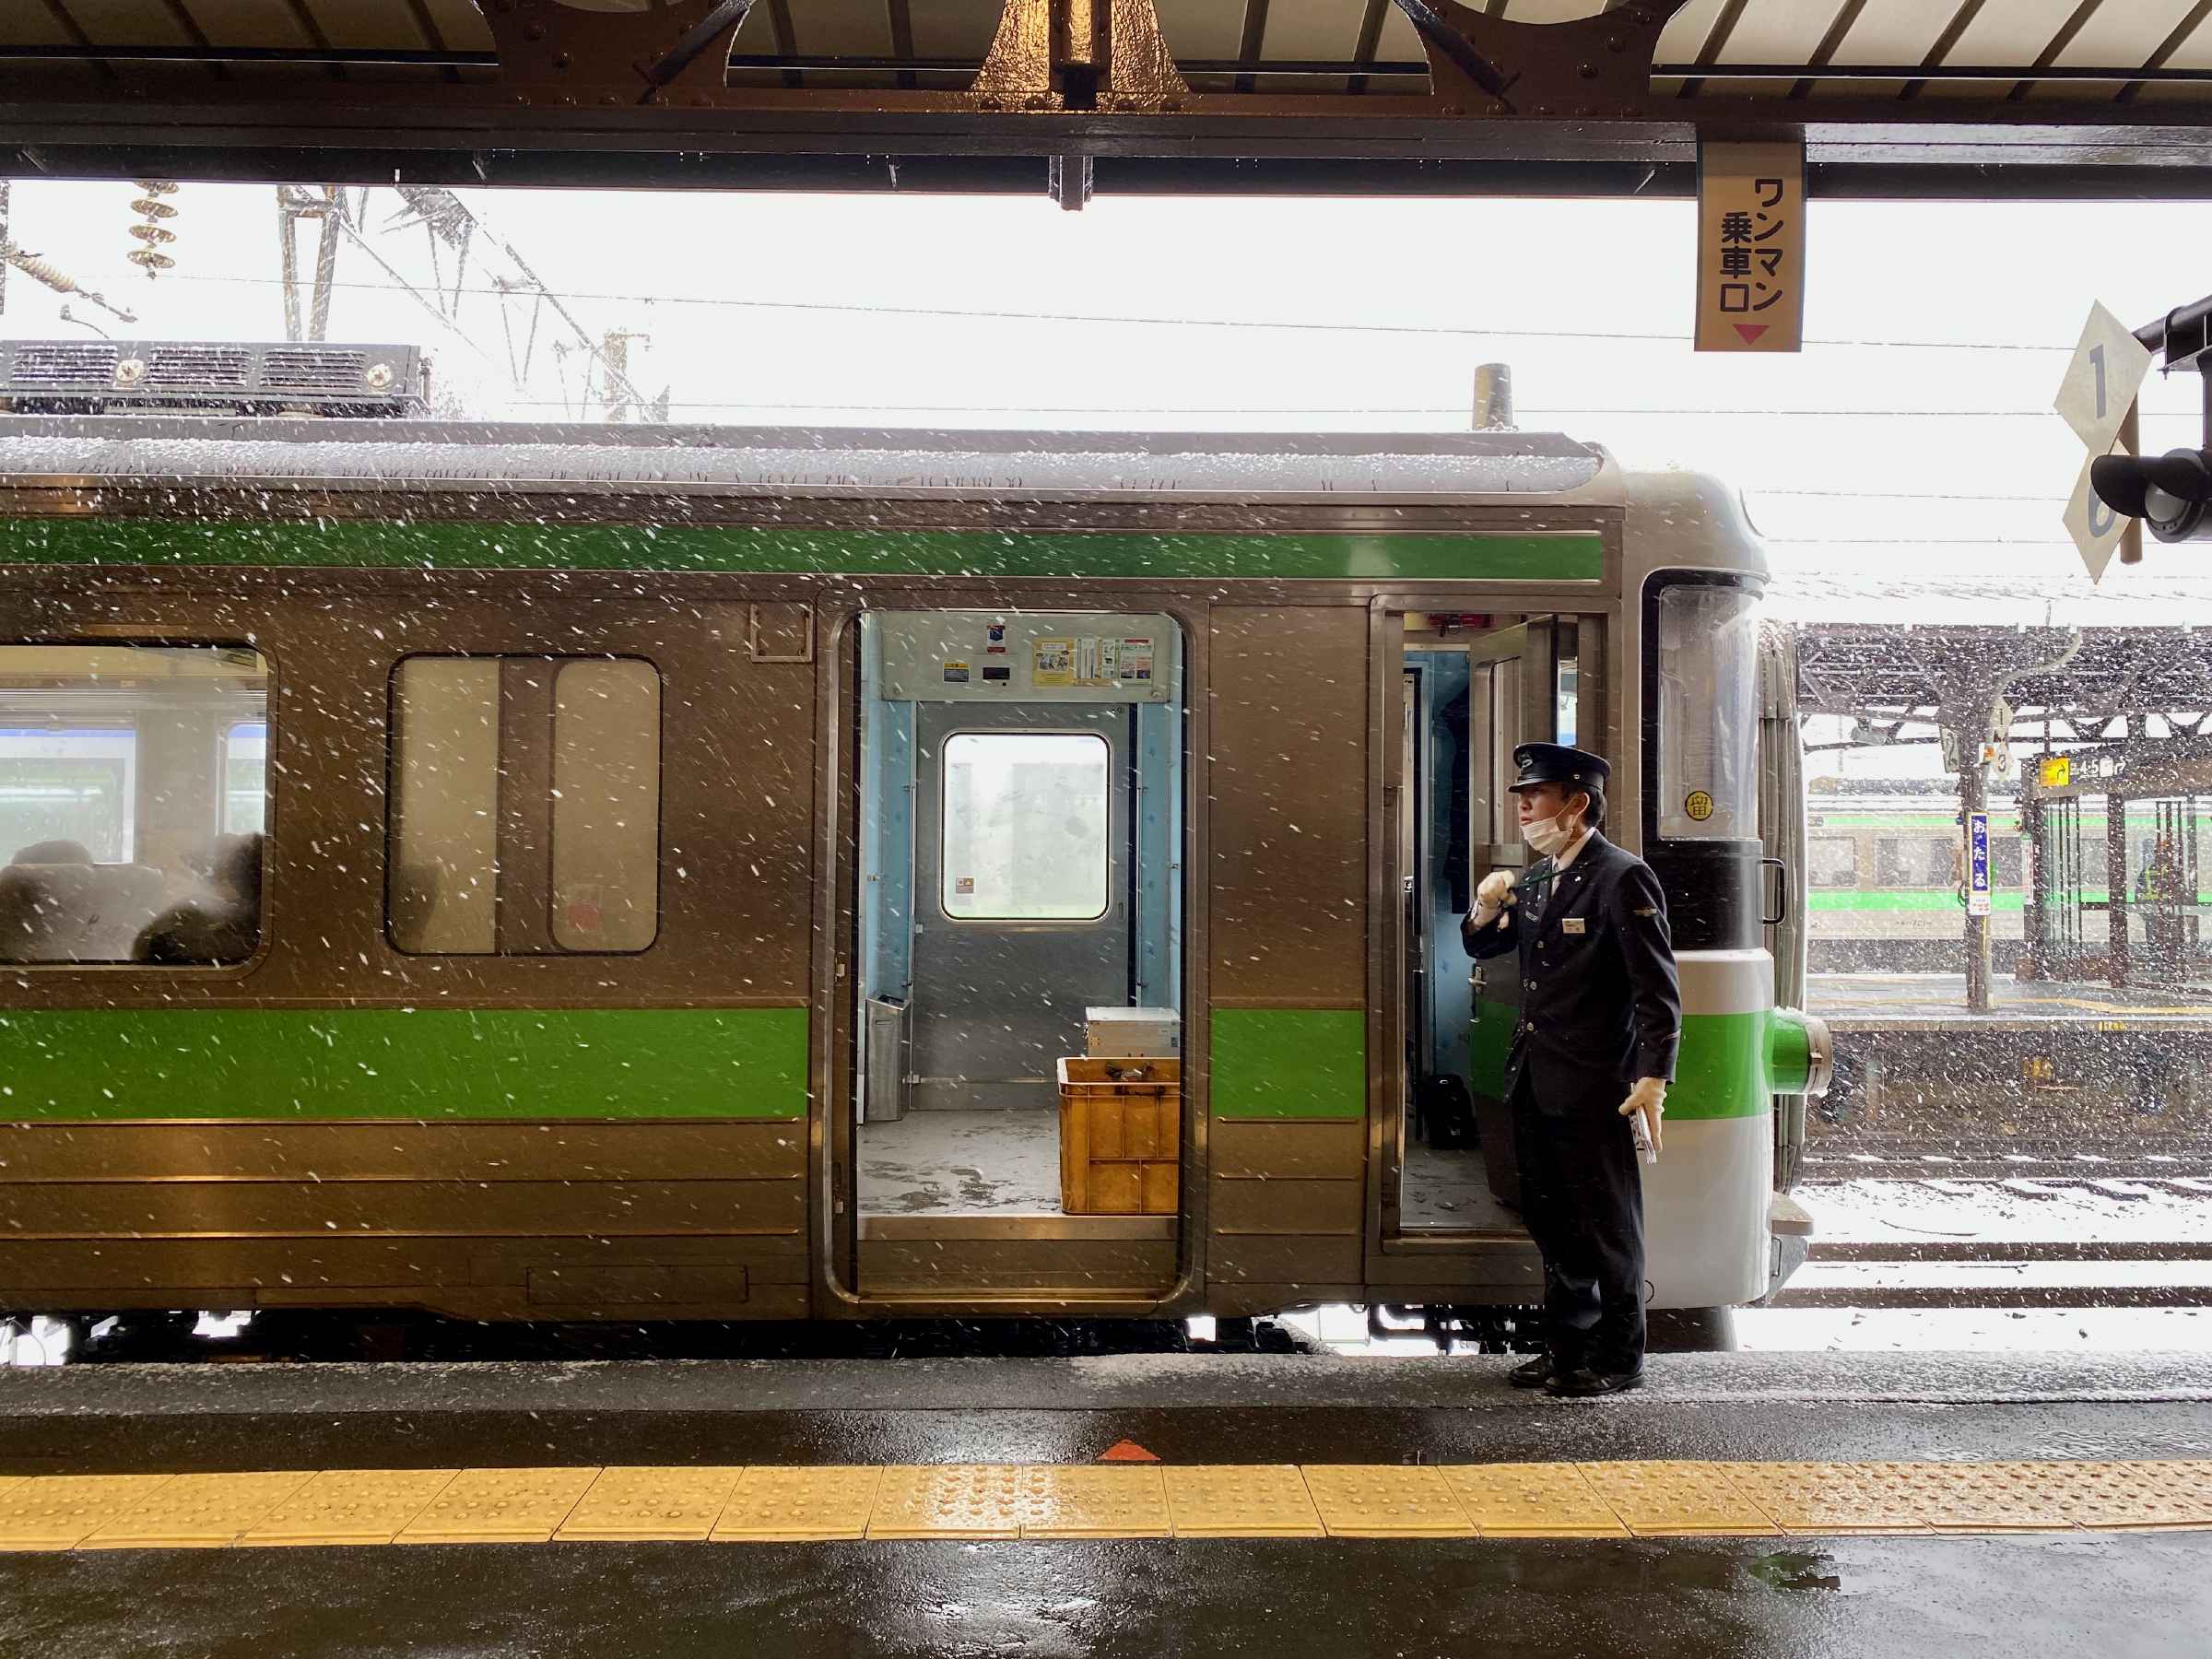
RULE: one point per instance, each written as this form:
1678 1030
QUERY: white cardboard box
1121 1031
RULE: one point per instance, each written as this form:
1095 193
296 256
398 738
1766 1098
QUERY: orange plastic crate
1121 1135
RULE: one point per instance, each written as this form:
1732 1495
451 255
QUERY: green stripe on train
1944 899
352 543
428 1064
1721 1071
1289 1062
1934 899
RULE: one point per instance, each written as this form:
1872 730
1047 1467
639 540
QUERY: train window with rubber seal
1929 861
1831 861
1027 827
525 805
131 809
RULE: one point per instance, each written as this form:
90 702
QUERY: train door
1023 868
1471 698
1020 904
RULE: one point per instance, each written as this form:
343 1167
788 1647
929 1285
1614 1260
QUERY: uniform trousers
1582 1196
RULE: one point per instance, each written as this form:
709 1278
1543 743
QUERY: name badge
1573 925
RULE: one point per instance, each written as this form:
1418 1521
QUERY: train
1886 884
600 873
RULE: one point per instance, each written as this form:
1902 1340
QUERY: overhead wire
1423 330
1460 410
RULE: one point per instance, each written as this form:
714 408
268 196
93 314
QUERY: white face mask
1549 835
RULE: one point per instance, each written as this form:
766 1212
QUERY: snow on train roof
170 451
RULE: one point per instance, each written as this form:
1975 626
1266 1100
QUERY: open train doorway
1020 927
1472 688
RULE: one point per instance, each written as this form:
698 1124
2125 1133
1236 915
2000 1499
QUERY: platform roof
1930 97
2086 678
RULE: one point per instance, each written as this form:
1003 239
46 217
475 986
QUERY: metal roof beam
645 98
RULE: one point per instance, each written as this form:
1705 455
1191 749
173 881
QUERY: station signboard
1977 865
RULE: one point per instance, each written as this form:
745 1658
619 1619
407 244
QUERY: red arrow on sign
1750 331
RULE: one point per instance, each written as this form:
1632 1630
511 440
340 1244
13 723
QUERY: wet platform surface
1861 1000
2038 1593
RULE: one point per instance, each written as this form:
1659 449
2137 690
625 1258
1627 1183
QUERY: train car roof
231 452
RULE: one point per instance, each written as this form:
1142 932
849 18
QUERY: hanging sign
1750 247
2097 398
1977 868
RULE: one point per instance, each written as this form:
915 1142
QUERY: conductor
1601 1018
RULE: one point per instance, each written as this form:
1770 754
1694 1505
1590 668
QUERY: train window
130 814
606 804
246 778
445 806
2008 867
1831 861
1708 671
1026 830
1921 861
525 805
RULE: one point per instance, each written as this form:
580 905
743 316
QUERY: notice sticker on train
1699 805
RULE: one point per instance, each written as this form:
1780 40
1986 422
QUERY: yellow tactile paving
1046 1502
1670 1499
1239 1500
637 1502
1386 1501
351 1506
2141 1497
950 1500
1531 1500
57 1511
499 1506
799 1505
197 1511
1987 1496
1828 1498
1096 1500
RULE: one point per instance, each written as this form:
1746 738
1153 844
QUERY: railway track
2180 1167
2000 1273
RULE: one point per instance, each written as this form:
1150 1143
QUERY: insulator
152 209
43 270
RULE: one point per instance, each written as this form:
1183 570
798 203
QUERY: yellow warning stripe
698 1503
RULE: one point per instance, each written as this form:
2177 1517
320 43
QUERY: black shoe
1533 1374
1582 1383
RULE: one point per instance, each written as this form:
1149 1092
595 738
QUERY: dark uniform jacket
1600 1004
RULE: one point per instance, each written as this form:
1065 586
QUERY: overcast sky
1912 438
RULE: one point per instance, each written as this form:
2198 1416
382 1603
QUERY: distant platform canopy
1952 96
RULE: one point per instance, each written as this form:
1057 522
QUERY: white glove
1491 897
1648 1099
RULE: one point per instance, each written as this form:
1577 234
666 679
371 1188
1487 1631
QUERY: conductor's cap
1538 763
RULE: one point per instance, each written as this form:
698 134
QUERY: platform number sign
2098 400
1977 863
